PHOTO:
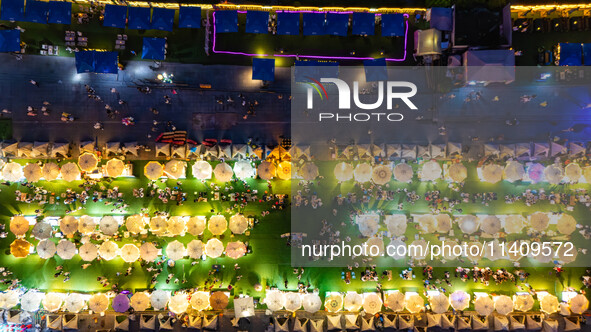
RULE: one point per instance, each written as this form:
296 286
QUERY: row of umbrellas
223 172
535 172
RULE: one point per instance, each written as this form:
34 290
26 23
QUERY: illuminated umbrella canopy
32 172
175 250
158 225
130 253
88 252
443 223
135 224
31 300
293 301
353 301
457 172
430 171
573 172
140 301
74 302
159 299
9 299
243 169
491 225
368 224
176 226
578 304
523 302
414 303
50 171
403 172
284 170
535 172
395 301
46 249
427 223
514 171
372 303
439 303
235 249
115 167
98 302
202 170
375 246
448 254
343 172
549 304
308 172
52 301
217 225
223 172
195 249
196 226
421 250
86 225
459 300
148 252
492 173
274 300
311 302
503 305
68 225
553 174
70 172
381 175
108 225
121 303
396 224
539 221
587 174
484 305
108 250
175 169
218 300
468 224
178 303
565 254
214 248
238 224
266 170
153 170
472 254
494 253
363 173
199 301
566 224
19 225
87 162
66 249
514 224
12 172
333 302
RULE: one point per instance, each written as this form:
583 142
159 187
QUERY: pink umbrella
536 172
120 303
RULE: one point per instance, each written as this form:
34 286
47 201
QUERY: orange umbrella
20 248
218 300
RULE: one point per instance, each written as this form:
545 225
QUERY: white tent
491 150
239 151
423 151
202 170
393 150
179 151
87 146
60 150
25 149
162 149
557 149
523 150
130 148
437 150
507 150
576 149
541 149
112 148
409 151
488 66
10 149
454 149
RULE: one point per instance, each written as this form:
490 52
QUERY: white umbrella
403 172
539 221
74 303
353 301
457 172
199 301
514 171
88 252
243 169
140 301
368 224
439 303
566 224
395 301
235 249
362 173
158 225
98 302
396 224
238 224
130 253
68 225
448 254
427 223
159 299
178 303
108 225
87 162
514 224
195 249
135 224
381 175
553 174
523 302
375 246
196 225
492 173
549 304
108 250
153 170
174 169
214 248
31 300
293 301
148 252
573 172
309 171
223 172
175 250
471 254
443 223
46 249
459 300
484 305
503 305
66 249
115 167
176 226
468 224
421 249
274 300
578 304
19 225
333 302
12 172
217 225
52 301
202 170
86 225
566 254
430 171
343 172
266 170
50 171
32 172
495 252
414 303
311 302
70 172
491 225
372 303
9 299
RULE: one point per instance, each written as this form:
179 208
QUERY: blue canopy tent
226 21
106 62
115 16
364 24
189 17
138 18
60 12
10 41
288 23
263 69
12 10
570 54
337 24
587 54
392 25
36 12
375 70
257 22
441 18
85 62
162 19
154 48
314 24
